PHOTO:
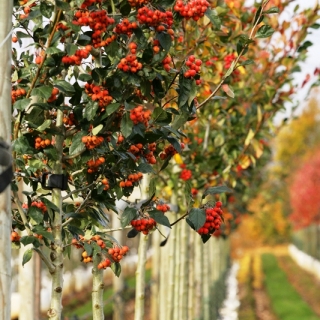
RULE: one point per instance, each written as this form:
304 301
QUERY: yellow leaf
178 158
244 161
249 138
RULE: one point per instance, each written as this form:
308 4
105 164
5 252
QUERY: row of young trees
104 93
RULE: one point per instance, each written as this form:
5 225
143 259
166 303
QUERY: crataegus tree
101 94
304 193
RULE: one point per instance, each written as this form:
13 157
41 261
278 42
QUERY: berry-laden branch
244 48
43 257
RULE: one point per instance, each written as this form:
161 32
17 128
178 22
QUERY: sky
307 67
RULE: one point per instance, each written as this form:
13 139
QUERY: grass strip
286 302
85 310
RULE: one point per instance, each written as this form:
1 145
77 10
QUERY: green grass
85 310
286 302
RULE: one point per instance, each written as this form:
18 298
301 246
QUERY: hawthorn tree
106 92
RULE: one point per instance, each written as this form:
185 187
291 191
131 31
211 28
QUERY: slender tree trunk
97 289
155 276
184 271
177 278
26 285
206 283
142 259
164 279
5 133
191 287
37 284
198 277
118 283
56 254
171 270
140 278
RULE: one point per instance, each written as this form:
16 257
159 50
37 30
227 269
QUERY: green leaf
160 116
49 204
63 5
160 217
25 240
165 40
132 233
85 77
111 108
213 17
53 50
45 234
22 104
126 125
116 268
77 145
256 17
247 62
272 10
145 168
46 9
219 140
264 32
26 256
216 190
90 110
65 87
97 129
36 214
45 125
197 217
230 70
21 146
127 216
88 248
42 92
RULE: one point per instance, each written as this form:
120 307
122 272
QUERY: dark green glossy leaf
27 256
197 217
127 216
264 32
216 190
160 217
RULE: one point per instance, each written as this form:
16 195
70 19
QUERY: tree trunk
97 289
26 285
56 254
118 282
5 133
191 288
184 270
140 278
155 275
177 278
142 259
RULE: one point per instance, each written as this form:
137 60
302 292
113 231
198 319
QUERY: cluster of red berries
89 3
133 47
93 165
130 64
104 264
15 236
137 3
54 95
154 18
86 258
63 27
150 155
92 142
69 120
169 151
98 21
40 143
213 219
132 178
120 139
38 204
98 93
185 174
228 59
139 115
117 253
138 150
166 63
156 47
105 182
193 9
194 66
144 224
163 207
77 57
15 94
125 27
